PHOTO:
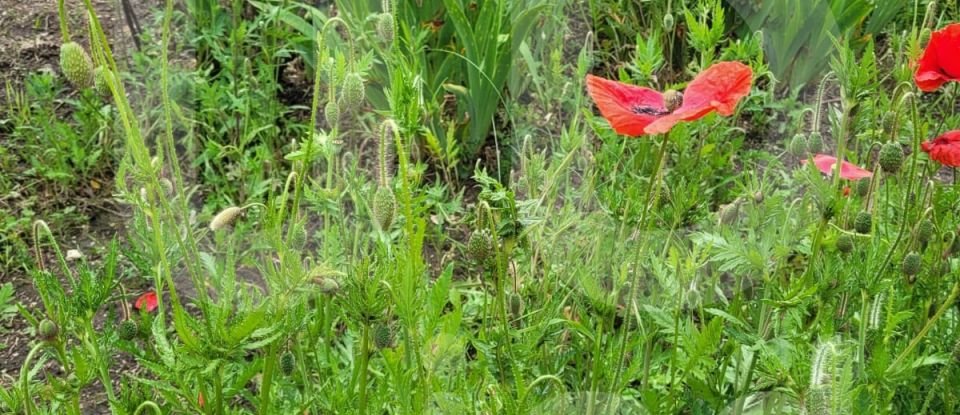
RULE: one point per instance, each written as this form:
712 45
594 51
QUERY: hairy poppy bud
845 243
287 363
815 142
911 264
668 21
798 146
353 91
327 285
48 330
930 18
385 27
76 65
384 207
383 336
224 218
672 100
891 157
863 187
863 223
889 122
925 231
479 246
331 113
925 35
102 79
516 305
128 329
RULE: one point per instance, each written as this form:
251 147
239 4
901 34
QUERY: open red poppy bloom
940 62
637 111
944 149
848 171
147 301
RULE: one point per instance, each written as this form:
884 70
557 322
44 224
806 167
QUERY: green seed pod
891 157
331 112
668 22
288 362
863 223
102 79
353 91
516 305
845 243
383 336
889 122
384 207
798 146
925 231
815 142
128 329
863 187
479 246
76 65
48 330
911 264
385 27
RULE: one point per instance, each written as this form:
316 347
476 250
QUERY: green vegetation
414 207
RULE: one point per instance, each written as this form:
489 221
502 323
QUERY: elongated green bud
863 223
76 65
383 336
911 264
891 157
479 246
353 91
384 207
331 113
815 142
798 146
287 363
102 79
385 27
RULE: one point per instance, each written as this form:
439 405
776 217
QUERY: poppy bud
385 27
516 305
383 336
925 35
672 100
102 78
479 245
845 243
353 91
225 217
668 21
863 222
384 207
815 142
331 112
48 330
891 157
863 187
327 285
76 65
911 264
287 363
128 329
889 121
925 231
798 146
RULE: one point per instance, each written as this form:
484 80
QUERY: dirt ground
30 42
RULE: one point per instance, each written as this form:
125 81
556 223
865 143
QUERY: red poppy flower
944 149
940 62
637 111
848 171
146 301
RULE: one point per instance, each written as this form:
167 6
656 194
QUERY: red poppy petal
718 88
940 62
147 301
848 171
621 104
944 149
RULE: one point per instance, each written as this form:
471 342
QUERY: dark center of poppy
648 110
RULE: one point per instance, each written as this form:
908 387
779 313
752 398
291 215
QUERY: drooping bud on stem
76 65
225 217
